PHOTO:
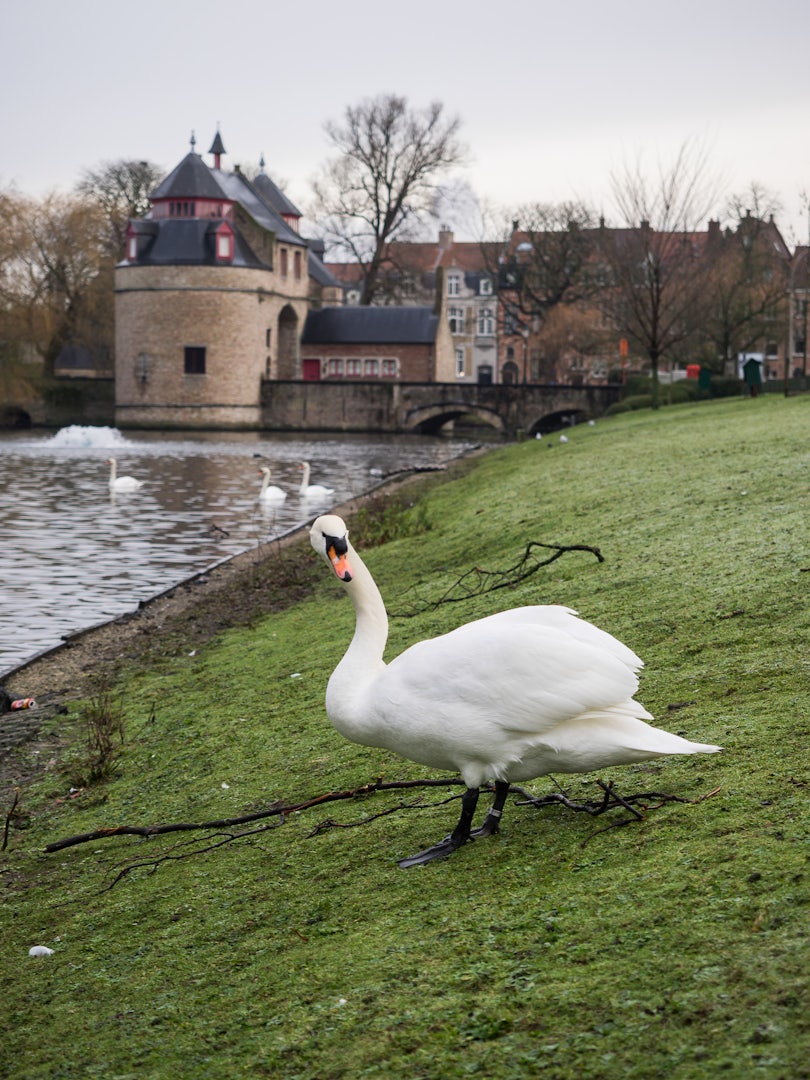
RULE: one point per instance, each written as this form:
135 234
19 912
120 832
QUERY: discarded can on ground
23 703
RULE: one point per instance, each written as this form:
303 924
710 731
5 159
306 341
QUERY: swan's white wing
526 670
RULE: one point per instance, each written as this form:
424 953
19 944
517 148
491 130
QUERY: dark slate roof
274 196
189 180
186 241
315 264
371 326
238 188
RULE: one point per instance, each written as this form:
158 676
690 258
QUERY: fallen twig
10 817
278 809
223 831
476 582
610 800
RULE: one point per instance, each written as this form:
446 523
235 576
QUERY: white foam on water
78 435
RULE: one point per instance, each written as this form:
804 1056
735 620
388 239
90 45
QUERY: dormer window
453 284
485 287
223 241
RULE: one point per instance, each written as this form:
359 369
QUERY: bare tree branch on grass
477 582
222 832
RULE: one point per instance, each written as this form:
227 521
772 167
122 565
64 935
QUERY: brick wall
226 310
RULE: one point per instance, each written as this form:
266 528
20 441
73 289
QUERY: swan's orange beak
340 563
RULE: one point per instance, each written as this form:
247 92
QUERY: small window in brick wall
194 358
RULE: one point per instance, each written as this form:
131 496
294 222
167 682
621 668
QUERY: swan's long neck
305 481
363 659
265 481
113 470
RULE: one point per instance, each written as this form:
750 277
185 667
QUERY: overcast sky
554 98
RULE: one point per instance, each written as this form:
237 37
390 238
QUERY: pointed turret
217 149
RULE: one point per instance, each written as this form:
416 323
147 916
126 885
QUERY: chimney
440 301
445 237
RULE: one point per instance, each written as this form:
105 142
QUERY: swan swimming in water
509 697
313 490
122 483
269 492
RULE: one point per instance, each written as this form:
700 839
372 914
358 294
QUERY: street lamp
525 334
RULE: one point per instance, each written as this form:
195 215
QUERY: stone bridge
426 408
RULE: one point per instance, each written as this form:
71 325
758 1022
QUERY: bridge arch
430 419
558 420
13 416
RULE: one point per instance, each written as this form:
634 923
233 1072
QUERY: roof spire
217 149
193 141
261 162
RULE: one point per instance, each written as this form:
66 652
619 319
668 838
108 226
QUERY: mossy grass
676 946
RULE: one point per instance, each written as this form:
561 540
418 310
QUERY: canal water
74 553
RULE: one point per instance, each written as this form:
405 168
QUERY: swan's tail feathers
614 737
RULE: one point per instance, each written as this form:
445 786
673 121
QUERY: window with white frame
371 367
225 246
455 316
486 322
485 287
354 367
389 368
460 364
454 284
334 367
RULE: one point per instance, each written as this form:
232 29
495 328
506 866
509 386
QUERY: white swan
269 492
509 697
312 490
121 483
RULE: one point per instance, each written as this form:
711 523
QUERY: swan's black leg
460 835
492 821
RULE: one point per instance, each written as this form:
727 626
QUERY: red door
311 370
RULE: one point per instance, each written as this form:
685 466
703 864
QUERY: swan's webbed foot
437 851
462 832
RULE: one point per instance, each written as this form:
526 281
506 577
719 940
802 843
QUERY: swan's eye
338 544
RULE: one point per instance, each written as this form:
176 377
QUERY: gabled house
410 275
405 344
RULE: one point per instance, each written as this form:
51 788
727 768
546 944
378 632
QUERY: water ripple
75 554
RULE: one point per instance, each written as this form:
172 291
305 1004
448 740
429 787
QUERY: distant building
412 273
408 344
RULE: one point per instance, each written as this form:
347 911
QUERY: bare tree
545 260
656 262
121 189
383 181
543 267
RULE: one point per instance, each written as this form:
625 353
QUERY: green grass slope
675 946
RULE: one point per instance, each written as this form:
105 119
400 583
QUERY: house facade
392 343
459 274
760 297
